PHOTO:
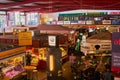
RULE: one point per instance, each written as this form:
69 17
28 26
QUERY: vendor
28 58
1 74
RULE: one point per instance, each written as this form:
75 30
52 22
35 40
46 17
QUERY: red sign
115 51
114 12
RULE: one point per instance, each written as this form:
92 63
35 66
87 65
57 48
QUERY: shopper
28 58
101 67
71 48
108 75
96 75
72 58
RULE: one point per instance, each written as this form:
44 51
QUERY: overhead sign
66 22
81 22
25 38
116 51
114 13
96 13
52 40
59 22
53 22
106 21
73 22
89 22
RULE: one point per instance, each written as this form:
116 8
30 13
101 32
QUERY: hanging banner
59 22
25 38
66 22
54 22
96 13
89 22
81 22
114 13
116 51
106 21
73 22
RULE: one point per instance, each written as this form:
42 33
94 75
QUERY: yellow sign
25 38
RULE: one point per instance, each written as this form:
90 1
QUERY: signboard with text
114 13
116 51
81 22
73 22
106 21
66 22
52 40
25 38
59 22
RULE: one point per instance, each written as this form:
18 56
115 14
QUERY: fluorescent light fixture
51 62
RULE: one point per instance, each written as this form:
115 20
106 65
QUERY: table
29 70
29 67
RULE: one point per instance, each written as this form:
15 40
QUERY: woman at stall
72 58
28 58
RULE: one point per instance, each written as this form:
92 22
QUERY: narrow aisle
67 74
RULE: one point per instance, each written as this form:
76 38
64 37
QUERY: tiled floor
67 74
41 75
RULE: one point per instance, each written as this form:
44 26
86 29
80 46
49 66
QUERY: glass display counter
42 54
12 67
13 71
12 62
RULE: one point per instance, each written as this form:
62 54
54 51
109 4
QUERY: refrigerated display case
12 62
42 54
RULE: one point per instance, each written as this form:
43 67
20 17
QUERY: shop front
40 47
39 56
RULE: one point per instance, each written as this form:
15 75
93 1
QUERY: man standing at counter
28 58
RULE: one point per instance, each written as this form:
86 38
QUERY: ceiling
48 6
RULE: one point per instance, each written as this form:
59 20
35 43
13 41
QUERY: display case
42 54
12 62
12 71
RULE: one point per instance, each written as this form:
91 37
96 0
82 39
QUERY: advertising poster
115 51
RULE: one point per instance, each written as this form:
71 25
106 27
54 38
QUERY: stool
35 74
24 76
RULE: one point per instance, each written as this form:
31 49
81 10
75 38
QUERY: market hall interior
45 40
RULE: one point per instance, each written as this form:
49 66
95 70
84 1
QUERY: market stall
103 39
42 54
12 62
98 48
